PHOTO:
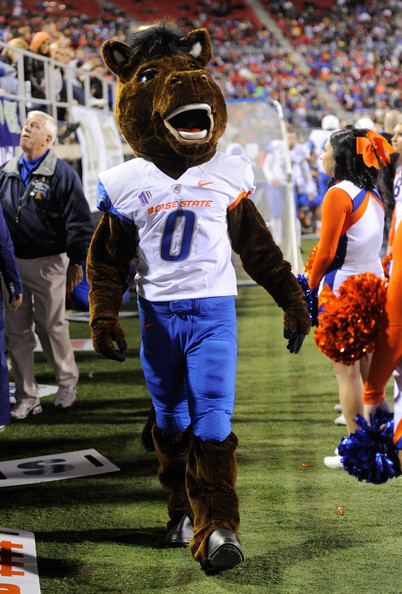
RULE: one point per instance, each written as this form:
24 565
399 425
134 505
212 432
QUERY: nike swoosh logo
147 325
201 183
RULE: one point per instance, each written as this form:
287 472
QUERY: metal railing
52 70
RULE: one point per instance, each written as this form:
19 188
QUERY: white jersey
274 166
301 173
359 246
317 140
184 250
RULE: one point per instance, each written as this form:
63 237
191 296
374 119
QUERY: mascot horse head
168 107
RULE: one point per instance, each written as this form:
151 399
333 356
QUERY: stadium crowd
354 49
249 62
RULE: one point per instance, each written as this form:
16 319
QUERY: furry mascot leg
171 450
146 436
210 480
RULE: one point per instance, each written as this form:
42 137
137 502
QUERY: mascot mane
162 40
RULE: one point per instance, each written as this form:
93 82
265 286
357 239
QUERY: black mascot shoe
180 534
224 551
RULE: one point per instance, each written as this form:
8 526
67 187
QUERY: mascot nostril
179 209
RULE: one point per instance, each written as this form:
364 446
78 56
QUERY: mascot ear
117 57
199 43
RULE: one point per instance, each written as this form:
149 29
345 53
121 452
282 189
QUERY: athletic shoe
333 462
340 420
2 428
65 397
26 407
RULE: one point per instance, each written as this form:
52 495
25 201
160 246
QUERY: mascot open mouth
191 123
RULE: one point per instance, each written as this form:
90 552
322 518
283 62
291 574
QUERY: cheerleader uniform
397 214
351 237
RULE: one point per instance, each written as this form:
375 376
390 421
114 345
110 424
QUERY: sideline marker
54 467
18 566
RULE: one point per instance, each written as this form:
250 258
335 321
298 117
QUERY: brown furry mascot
179 209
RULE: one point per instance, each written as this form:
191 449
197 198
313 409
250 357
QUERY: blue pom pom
310 298
369 453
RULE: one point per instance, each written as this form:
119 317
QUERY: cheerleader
350 242
397 183
388 352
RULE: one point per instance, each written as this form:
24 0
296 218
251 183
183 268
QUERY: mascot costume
178 209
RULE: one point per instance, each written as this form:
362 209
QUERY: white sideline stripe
43 390
83 316
78 344
54 467
82 344
18 565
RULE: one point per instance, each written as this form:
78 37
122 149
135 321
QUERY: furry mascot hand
104 333
296 326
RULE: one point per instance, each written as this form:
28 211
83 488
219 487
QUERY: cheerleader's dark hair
349 165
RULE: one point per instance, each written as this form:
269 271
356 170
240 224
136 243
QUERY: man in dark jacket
50 225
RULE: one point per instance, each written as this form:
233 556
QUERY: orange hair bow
374 149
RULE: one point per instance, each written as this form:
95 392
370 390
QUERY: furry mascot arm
112 248
263 261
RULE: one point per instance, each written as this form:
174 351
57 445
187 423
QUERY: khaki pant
43 312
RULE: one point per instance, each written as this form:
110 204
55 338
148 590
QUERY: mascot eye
193 66
146 75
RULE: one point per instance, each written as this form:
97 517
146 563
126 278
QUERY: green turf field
100 534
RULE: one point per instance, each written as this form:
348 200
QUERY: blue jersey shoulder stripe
104 204
358 199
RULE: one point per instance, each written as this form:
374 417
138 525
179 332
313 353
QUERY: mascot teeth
191 123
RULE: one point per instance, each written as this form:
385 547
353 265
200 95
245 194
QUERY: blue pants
79 295
189 358
301 200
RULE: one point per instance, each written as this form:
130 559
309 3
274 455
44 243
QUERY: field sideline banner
101 146
10 129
